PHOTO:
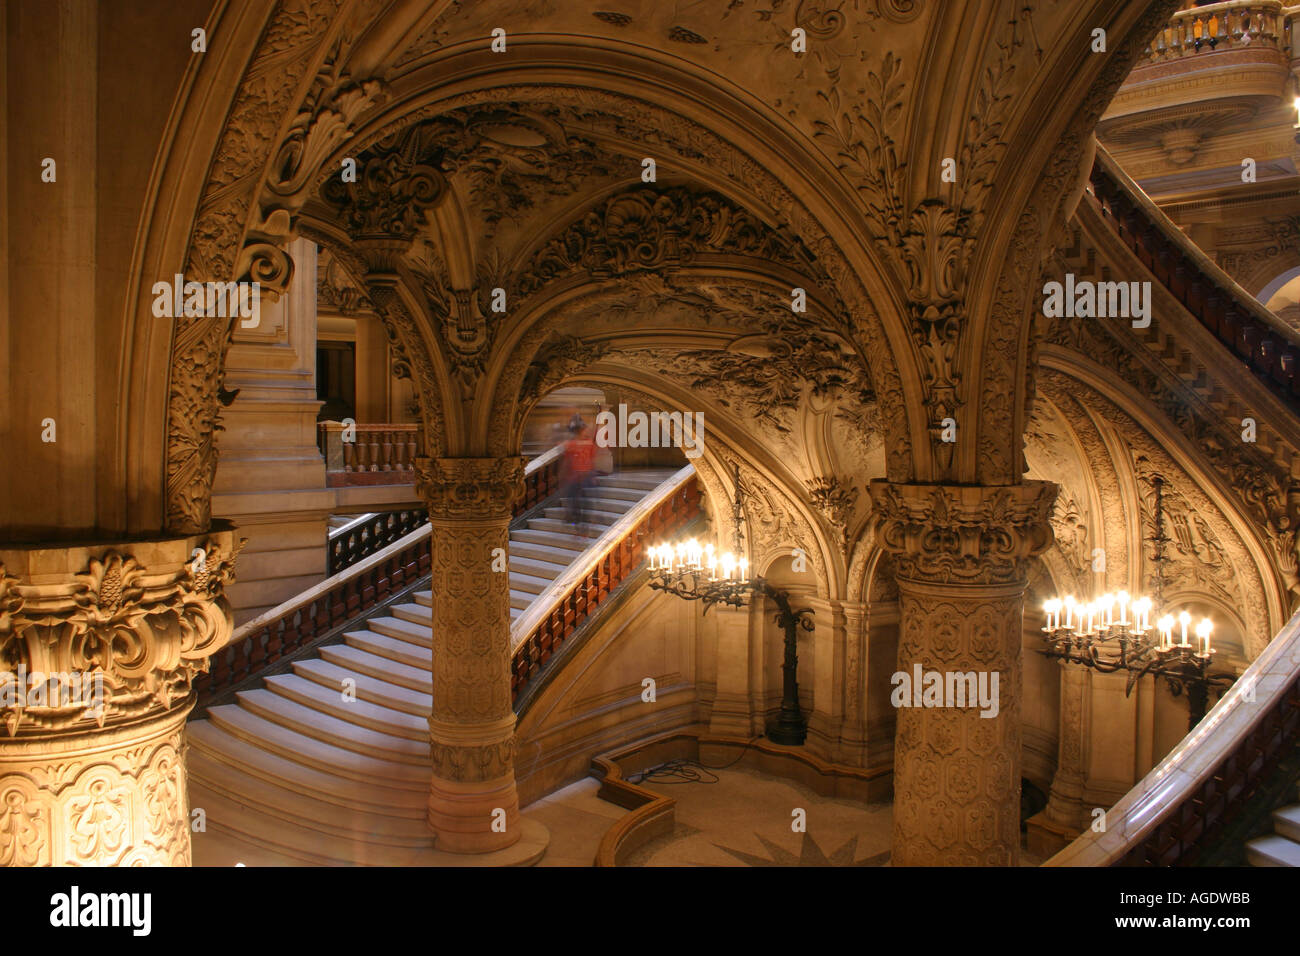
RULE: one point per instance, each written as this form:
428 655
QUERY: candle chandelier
1114 632
702 572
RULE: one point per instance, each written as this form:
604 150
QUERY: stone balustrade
364 454
1234 25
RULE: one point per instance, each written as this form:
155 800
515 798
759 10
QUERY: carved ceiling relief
336 291
1058 413
1052 456
662 133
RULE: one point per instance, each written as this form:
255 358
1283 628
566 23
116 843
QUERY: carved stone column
961 554
854 737
1066 814
472 727
99 645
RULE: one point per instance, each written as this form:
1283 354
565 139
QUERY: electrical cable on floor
686 771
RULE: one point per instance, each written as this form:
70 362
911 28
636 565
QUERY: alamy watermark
22 689
1098 300
684 430
946 689
223 300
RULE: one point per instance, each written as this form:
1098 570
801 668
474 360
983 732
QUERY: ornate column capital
963 534
470 489
136 621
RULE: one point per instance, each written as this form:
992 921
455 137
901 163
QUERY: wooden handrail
576 594
1258 338
360 539
1204 783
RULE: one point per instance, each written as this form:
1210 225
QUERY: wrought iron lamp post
698 572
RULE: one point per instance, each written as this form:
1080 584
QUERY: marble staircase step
418 635
360 662
223 748
1273 850
300 748
362 713
572 544
1286 822
370 688
333 730
391 648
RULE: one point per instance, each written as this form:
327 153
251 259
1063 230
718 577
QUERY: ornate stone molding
963 534
396 185
133 624
115 798
470 489
473 763
664 229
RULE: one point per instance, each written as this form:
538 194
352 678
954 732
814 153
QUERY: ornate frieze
963 534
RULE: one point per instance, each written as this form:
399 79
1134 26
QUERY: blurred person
577 469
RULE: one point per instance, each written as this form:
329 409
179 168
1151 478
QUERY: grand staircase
299 771
1282 846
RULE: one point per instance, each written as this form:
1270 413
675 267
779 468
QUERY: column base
479 817
1045 837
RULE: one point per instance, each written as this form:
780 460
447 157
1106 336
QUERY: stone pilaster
1066 815
961 554
99 646
473 806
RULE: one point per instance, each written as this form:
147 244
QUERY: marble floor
726 817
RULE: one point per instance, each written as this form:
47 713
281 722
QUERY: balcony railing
368 454
368 534
1235 25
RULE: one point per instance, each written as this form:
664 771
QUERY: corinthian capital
98 634
963 534
469 488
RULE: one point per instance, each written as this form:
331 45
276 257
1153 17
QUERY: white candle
1184 619
1166 625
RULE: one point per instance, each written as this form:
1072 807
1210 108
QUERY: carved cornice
470 489
963 534
138 621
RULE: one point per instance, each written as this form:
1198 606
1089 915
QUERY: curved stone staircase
293 773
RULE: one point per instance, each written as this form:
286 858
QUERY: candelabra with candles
1114 633
700 572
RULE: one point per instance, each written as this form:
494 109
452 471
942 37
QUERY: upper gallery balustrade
1244 50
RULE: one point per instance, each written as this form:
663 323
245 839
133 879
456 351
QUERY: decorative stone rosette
133 623
963 534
